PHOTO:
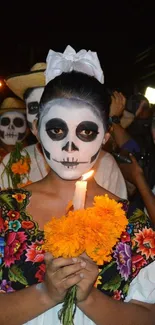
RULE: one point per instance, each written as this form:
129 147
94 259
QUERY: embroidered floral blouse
22 256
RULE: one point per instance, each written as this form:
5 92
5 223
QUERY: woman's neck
53 183
62 188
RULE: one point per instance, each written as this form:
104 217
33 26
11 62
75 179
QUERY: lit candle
80 191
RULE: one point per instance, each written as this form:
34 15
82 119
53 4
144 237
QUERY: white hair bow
82 61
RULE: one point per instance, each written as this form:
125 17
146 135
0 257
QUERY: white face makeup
71 135
12 127
32 105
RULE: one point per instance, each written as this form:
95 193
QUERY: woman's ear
35 129
106 137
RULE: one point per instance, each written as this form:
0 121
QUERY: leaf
7 199
113 284
107 267
15 274
138 215
126 288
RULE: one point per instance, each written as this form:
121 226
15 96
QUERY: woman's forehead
70 110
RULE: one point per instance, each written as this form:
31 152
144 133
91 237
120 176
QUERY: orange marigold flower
20 167
94 230
64 237
19 197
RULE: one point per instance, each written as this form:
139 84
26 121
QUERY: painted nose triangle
11 127
70 147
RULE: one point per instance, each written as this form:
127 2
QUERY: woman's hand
118 102
61 274
88 277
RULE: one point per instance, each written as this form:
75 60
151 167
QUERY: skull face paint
12 127
71 135
32 105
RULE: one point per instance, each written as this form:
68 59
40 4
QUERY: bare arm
23 305
104 310
120 135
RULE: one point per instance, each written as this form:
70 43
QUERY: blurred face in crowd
32 105
12 127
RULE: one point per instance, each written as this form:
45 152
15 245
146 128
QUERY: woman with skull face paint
29 86
71 129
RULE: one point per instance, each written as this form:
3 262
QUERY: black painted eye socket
5 121
87 131
33 108
18 122
56 129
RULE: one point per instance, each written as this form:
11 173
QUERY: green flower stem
67 312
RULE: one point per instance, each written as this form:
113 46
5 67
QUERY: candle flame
87 175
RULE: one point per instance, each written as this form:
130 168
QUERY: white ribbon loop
82 61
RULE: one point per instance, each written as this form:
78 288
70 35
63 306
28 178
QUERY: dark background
122 33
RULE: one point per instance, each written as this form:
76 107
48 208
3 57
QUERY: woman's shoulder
100 191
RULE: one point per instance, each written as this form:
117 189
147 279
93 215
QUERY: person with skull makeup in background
13 125
71 128
29 86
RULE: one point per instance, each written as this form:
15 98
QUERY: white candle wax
79 195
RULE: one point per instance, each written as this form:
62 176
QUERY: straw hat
19 83
10 104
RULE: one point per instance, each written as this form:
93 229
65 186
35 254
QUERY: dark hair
79 86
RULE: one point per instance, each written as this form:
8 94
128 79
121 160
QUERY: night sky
117 32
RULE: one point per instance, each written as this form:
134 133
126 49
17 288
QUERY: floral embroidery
125 237
1 249
15 246
146 242
117 295
138 262
99 278
40 273
14 225
5 286
27 224
123 259
19 197
13 215
35 252
22 256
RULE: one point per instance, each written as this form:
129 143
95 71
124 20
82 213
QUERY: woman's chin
70 176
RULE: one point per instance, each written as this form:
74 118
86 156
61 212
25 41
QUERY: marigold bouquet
94 230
